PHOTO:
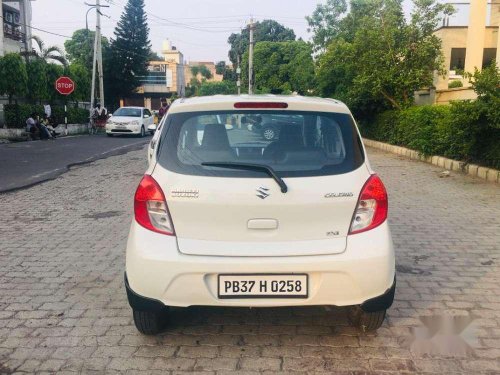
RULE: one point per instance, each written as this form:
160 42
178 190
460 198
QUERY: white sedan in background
129 120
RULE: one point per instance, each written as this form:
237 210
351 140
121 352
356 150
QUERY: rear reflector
254 105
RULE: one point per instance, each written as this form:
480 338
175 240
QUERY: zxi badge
262 192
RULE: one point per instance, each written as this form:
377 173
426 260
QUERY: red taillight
254 105
372 207
150 207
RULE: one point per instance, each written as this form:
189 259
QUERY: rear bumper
141 303
362 275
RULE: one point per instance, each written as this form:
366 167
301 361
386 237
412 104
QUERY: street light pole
87 17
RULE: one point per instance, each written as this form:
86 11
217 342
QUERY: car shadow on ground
317 320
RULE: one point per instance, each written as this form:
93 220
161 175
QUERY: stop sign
65 86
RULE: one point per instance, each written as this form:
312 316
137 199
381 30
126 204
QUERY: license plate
262 286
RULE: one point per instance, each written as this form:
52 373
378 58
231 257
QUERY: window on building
457 61
489 54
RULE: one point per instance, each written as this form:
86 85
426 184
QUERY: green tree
267 30
486 84
378 57
195 83
80 48
153 56
37 80
82 78
281 67
228 74
193 87
129 51
201 70
324 23
13 76
220 67
48 54
53 72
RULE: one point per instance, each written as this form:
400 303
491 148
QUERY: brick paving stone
204 364
260 364
198 352
63 307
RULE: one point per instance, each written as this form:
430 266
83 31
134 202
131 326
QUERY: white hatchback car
130 120
228 218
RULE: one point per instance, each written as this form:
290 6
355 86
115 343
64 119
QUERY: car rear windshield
294 144
128 112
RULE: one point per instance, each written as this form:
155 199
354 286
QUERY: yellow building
466 48
167 78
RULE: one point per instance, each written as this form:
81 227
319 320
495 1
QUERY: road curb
14 135
487 174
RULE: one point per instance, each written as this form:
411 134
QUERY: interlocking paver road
63 306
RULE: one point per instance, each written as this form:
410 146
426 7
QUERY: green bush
382 128
17 114
419 128
455 84
217 88
459 131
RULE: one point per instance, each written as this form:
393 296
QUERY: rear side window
294 144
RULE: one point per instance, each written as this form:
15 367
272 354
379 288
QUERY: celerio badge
338 195
185 193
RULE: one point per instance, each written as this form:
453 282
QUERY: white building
15 33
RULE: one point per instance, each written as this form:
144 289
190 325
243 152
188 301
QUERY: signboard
65 86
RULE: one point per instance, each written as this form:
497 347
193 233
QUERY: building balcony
13 33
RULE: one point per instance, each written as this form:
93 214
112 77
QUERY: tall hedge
459 131
17 114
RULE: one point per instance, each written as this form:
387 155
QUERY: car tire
366 321
109 134
150 322
143 132
269 133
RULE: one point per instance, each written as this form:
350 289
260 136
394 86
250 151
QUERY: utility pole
97 68
250 59
99 54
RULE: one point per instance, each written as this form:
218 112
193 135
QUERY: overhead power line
41 30
174 23
70 37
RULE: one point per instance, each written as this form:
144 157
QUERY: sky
198 28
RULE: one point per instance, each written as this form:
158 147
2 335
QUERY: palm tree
52 53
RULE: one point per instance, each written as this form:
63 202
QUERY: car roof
132 107
226 102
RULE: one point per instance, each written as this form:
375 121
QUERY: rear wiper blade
250 167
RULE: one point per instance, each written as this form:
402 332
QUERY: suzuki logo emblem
262 192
